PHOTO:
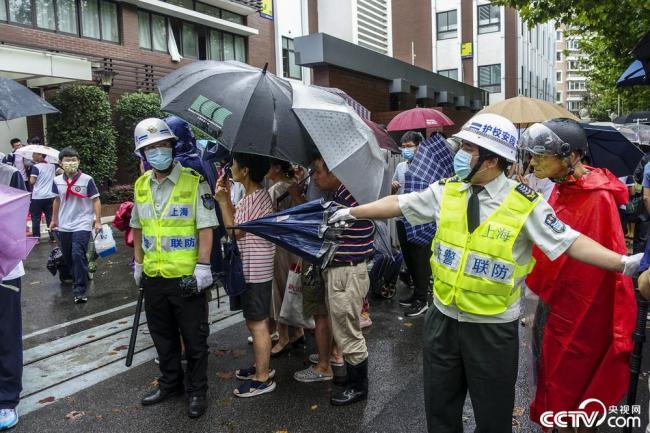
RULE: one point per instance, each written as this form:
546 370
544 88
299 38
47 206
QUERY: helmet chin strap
571 169
475 170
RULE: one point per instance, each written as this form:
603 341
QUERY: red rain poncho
587 339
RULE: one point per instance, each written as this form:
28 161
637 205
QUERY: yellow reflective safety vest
169 240
477 271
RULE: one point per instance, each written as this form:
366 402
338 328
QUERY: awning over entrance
41 68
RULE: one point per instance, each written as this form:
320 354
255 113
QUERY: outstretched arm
591 252
387 207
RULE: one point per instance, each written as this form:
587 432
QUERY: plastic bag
104 242
292 312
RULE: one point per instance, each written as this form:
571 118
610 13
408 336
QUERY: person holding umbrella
585 316
487 225
172 223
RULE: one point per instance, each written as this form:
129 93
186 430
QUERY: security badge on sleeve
555 224
208 201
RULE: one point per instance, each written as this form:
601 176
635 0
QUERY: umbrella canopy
609 149
17 101
27 151
347 145
383 138
246 108
419 118
362 111
638 117
635 75
642 48
302 230
14 205
524 111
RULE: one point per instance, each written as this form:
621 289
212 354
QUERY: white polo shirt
76 209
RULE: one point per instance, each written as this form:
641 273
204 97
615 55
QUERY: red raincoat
587 338
122 221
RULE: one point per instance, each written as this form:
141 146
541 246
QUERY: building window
558 56
190 40
207 9
558 76
97 19
210 10
187 4
558 35
489 19
447 24
153 31
574 65
489 78
449 73
577 85
232 17
224 46
573 44
289 67
558 96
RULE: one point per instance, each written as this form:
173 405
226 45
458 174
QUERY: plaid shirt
433 161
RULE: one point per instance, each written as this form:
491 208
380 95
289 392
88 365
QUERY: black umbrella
17 101
246 108
609 149
639 116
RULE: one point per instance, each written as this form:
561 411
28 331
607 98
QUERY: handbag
292 311
234 282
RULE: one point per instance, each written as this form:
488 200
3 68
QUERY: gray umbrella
17 101
347 144
245 108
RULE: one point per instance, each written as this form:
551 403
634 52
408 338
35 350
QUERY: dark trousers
479 357
36 207
11 345
74 246
416 257
170 317
641 232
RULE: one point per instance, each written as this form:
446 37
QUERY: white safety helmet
150 131
492 132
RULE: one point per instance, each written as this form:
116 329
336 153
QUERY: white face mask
70 167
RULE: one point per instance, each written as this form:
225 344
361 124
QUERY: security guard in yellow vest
487 225
172 223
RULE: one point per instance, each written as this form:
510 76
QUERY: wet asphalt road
396 395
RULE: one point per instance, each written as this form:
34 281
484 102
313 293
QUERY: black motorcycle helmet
557 137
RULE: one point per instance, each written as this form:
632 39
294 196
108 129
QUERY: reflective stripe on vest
477 272
169 241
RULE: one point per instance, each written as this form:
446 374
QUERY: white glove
137 273
203 275
631 264
341 215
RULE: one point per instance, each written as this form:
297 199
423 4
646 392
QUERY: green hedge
85 123
130 109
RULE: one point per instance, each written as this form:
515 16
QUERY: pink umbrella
419 118
385 141
14 204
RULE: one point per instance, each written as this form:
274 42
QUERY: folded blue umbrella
301 230
635 75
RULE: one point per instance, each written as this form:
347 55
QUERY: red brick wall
261 47
371 92
412 23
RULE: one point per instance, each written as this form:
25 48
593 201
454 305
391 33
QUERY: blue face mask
462 164
408 153
160 158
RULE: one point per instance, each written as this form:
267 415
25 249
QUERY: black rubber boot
357 388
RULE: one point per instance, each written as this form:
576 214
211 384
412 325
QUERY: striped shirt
257 254
356 242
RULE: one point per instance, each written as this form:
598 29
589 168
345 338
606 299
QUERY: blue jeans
11 346
74 246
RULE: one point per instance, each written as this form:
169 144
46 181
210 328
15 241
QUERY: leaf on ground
518 411
116 410
220 353
155 383
91 336
122 347
224 402
313 407
238 353
99 417
225 375
123 322
408 324
49 399
33 283
74 415
281 431
113 353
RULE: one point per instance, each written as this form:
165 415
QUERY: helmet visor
538 139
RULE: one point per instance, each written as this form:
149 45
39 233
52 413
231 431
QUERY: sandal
253 388
286 349
249 373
